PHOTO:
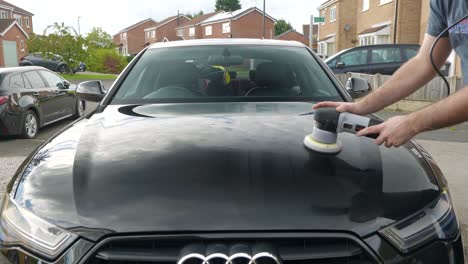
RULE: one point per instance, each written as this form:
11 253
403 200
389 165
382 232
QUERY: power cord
432 51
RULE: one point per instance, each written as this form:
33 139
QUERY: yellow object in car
226 75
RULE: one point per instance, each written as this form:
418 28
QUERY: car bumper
439 252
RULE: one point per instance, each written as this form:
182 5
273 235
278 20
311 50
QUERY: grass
89 76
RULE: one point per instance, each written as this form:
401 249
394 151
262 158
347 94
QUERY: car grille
169 250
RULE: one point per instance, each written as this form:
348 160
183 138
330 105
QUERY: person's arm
411 76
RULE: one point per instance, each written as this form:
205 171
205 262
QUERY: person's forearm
450 111
410 77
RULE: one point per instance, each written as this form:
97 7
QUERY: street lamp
264 18
79 30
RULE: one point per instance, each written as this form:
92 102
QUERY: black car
50 61
33 97
372 59
185 162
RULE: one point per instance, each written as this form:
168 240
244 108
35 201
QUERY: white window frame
27 21
384 2
208 30
226 27
180 32
19 19
3 14
191 32
147 34
365 5
124 36
22 45
333 14
153 33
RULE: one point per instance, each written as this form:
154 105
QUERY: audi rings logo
234 254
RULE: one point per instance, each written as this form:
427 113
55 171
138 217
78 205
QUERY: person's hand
341 107
394 133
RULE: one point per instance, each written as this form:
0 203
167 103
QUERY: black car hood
217 167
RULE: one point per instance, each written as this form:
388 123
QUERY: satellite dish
347 27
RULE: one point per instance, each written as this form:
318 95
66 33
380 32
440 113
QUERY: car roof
216 42
20 69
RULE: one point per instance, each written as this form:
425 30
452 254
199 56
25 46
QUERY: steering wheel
171 92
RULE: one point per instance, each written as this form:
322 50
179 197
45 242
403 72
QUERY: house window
123 35
180 32
153 33
333 14
227 27
208 31
383 2
3 15
147 34
27 21
365 5
19 20
22 45
191 31
324 15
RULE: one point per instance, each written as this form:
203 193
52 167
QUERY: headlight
21 228
437 221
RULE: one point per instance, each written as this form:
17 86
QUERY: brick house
165 30
306 33
339 31
131 40
294 36
23 17
13 42
376 21
243 23
192 29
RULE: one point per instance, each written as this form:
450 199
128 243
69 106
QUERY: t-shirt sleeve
437 20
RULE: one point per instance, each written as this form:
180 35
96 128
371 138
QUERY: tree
99 39
227 5
61 40
282 26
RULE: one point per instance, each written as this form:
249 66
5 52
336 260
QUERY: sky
112 16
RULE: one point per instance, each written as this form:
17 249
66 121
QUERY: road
450 150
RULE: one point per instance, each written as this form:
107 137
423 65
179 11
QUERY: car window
386 55
26 82
35 79
52 79
16 81
353 58
411 52
226 73
331 63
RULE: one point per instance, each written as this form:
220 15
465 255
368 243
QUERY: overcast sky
115 15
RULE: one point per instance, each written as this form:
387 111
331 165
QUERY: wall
328 28
409 22
14 34
294 36
217 30
376 14
136 37
424 19
169 30
251 25
347 14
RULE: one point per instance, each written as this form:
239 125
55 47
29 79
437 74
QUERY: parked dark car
33 97
50 61
372 59
183 163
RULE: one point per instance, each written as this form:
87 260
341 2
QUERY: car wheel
63 69
30 125
79 109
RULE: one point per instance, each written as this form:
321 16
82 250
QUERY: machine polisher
328 123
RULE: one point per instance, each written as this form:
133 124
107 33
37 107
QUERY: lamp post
79 30
264 11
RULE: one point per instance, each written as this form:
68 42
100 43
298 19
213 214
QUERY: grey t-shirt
445 13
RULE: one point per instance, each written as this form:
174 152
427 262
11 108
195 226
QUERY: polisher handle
352 123
374 122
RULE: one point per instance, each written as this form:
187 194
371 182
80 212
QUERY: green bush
106 61
130 58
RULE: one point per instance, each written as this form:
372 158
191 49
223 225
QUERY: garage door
10 54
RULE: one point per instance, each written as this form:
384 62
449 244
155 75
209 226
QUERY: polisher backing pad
312 144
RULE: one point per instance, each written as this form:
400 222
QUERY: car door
354 60
42 93
64 102
385 60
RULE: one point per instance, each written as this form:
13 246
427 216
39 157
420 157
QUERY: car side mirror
66 84
92 91
357 87
340 65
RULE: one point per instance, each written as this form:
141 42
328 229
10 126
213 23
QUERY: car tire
80 107
30 125
64 69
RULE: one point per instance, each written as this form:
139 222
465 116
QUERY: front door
64 101
10 53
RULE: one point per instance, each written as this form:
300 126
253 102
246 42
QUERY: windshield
226 73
